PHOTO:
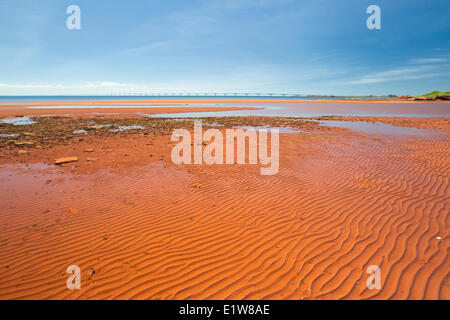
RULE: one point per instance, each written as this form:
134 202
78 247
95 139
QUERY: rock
88 150
66 160
443 97
91 159
22 152
91 273
28 134
24 143
94 127
424 98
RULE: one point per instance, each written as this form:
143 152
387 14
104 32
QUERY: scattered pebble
24 143
94 127
66 160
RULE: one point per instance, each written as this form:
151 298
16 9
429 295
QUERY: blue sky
281 46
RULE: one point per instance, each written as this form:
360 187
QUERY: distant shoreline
120 108
182 102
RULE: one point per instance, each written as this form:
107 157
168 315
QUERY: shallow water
380 128
18 121
81 131
294 109
280 129
6 135
124 128
308 110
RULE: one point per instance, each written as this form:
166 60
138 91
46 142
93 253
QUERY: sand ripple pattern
225 232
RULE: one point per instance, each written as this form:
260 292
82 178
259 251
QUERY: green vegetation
436 93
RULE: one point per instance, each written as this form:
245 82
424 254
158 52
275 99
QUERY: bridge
205 94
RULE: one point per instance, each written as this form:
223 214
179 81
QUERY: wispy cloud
104 84
31 86
27 28
398 74
429 60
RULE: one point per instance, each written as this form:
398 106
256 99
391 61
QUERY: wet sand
284 107
343 200
19 110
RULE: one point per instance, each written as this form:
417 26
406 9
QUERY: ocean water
308 110
381 128
268 107
152 97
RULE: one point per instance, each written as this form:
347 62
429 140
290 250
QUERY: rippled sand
343 200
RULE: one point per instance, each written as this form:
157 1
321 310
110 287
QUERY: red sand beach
141 227
194 105
15 110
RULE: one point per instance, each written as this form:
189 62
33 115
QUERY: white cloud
104 84
32 86
398 74
429 60
113 84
